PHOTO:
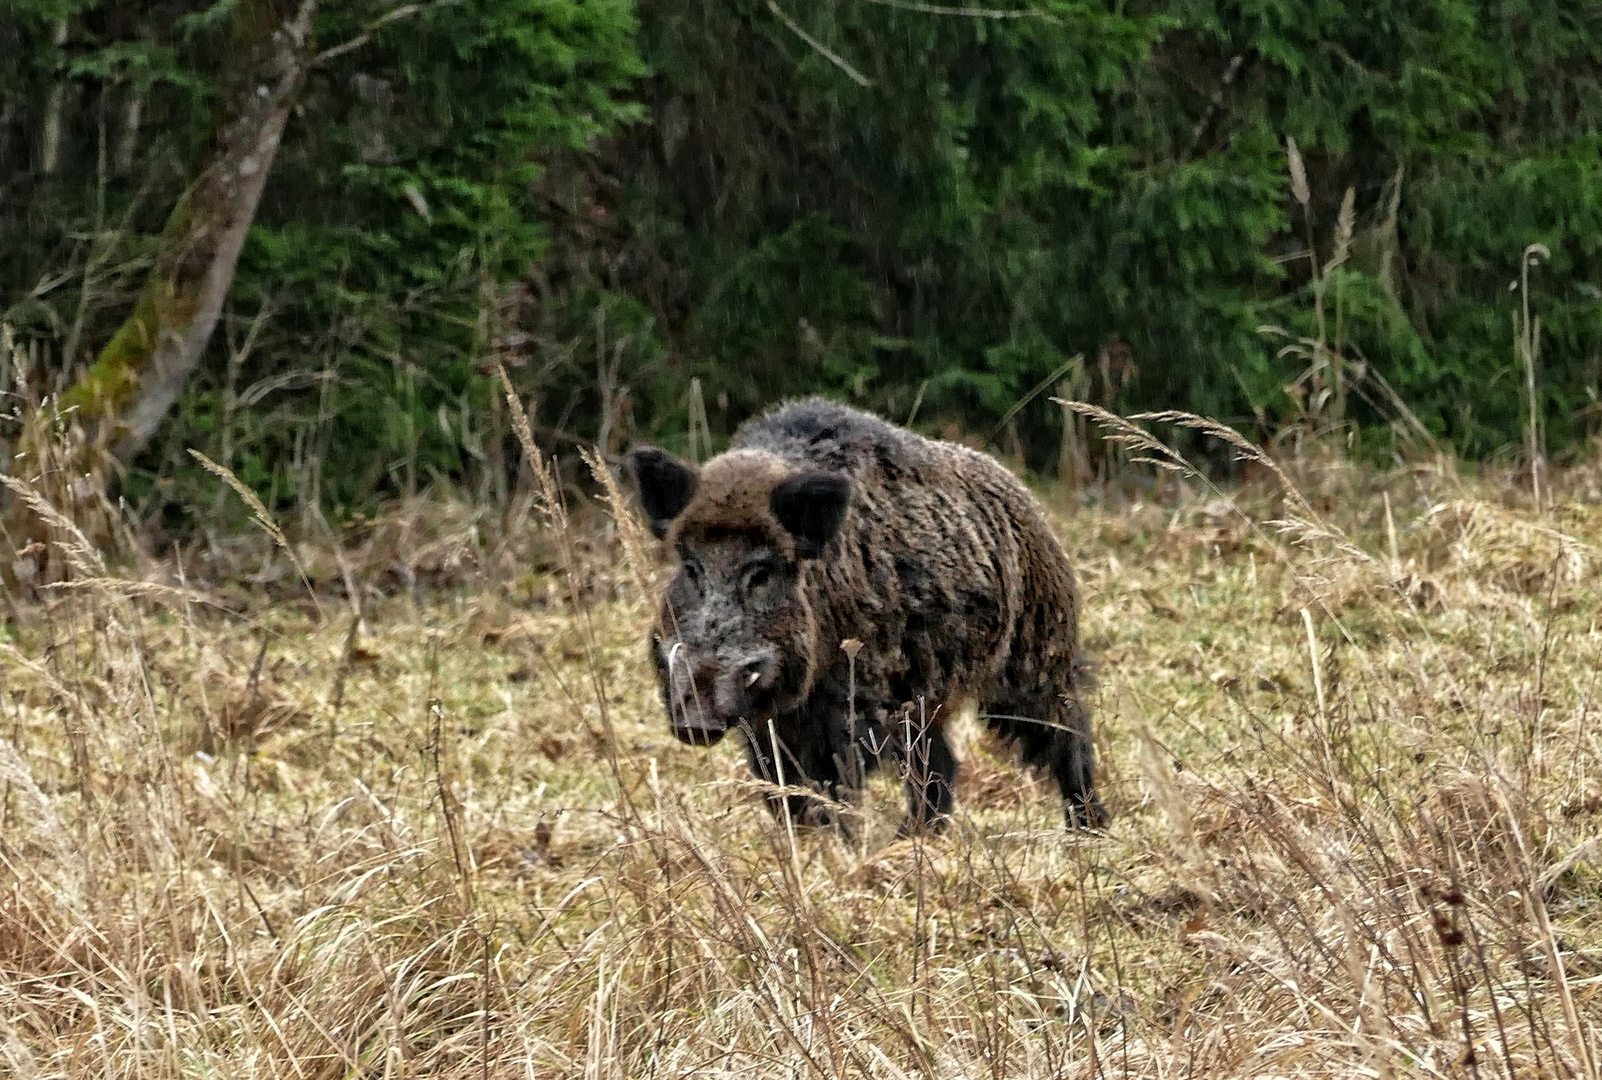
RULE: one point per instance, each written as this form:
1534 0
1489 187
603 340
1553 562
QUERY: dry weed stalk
260 514
1527 340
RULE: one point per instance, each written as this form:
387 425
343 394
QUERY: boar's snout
709 694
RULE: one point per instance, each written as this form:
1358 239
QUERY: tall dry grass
432 824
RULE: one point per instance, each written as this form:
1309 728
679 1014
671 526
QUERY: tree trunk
114 409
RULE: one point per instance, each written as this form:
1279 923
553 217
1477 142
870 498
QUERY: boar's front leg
778 757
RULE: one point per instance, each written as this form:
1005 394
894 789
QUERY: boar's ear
811 507
666 485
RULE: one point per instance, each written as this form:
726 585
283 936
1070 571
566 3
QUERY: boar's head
736 638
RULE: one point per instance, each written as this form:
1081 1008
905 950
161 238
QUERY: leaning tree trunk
110 414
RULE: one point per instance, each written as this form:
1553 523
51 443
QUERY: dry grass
437 828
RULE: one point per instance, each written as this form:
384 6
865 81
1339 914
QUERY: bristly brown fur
943 566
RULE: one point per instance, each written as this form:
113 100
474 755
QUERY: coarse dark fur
822 526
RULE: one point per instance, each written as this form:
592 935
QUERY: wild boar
844 587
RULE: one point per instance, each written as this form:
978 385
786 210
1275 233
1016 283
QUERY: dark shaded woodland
1289 214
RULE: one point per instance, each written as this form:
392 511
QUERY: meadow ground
438 828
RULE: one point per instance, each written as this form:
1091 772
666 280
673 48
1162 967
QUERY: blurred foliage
892 202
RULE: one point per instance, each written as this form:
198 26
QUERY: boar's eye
756 576
692 569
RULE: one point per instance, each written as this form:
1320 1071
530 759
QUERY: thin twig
833 57
1039 388
969 12
402 12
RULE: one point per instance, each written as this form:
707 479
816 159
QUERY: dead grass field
1355 772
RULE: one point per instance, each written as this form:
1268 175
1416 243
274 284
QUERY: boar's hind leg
1074 765
796 767
1052 732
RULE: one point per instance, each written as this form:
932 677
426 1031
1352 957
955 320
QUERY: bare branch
834 58
405 11
969 12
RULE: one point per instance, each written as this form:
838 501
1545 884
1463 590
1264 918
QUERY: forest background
1294 215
